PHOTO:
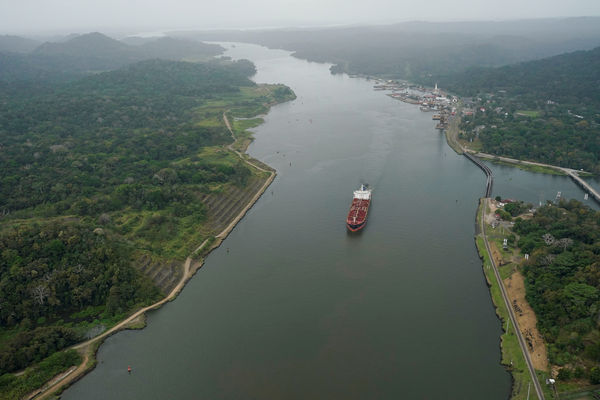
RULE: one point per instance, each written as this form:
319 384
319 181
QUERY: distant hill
168 78
94 52
85 53
572 78
177 49
89 45
422 51
17 44
15 67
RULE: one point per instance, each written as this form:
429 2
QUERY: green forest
98 173
563 283
571 79
544 110
549 133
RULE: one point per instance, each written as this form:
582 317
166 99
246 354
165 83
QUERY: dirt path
61 380
515 286
86 348
230 147
515 289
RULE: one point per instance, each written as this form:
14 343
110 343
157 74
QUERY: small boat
357 216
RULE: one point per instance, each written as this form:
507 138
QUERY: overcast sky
64 16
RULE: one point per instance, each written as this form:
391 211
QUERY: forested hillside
545 110
100 175
62 145
563 284
91 53
571 79
74 154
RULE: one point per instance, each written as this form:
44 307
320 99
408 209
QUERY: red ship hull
357 216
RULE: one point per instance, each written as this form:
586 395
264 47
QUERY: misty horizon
148 32
64 17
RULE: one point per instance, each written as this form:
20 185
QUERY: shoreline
451 131
88 349
514 353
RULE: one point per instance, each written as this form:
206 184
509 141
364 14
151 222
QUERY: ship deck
358 211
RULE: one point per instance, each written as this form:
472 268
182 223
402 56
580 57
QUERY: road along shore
521 360
89 348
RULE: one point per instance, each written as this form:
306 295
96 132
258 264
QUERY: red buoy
129 369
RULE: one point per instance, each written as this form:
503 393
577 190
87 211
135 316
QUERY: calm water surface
298 308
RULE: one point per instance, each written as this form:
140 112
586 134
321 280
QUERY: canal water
291 306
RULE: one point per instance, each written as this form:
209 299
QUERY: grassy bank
15 387
529 167
512 356
452 135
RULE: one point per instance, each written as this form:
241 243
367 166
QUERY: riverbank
514 350
511 264
193 263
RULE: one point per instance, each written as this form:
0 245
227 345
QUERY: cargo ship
357 216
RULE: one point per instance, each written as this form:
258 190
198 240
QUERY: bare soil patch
515 286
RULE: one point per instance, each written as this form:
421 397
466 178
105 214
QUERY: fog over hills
17 44
567 78
89 45
65 16
423 51
92 52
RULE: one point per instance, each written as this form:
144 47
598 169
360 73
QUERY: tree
40 293
595 376
564 243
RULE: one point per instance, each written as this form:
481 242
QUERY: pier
486 170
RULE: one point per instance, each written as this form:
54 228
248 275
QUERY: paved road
513 319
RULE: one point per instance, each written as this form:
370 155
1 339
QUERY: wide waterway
291 306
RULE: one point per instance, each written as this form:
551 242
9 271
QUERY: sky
67 16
